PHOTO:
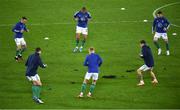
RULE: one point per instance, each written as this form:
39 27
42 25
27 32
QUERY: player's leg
93 85
78 33
18 48
165 38
155 40
83 87
140 74
154 79
23 48
85 34
36 88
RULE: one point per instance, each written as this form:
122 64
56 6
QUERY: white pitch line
164 6
43 24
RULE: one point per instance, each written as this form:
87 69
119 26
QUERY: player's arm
16 28
26 64
89 16
168 25
86 61
153 27
41 64
25 29
76 16
100 61
143 53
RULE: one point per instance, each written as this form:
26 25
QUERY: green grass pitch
114 33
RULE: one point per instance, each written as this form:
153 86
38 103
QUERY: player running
146 54
93 61
160 27
19 29
82 17
32 64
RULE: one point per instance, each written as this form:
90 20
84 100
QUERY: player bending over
19 29
93 61
32 64
146 54
160 27
82 17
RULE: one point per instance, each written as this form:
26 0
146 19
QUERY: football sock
83 42
167 46
157 45
83 87
22 50
18 52
38 89
92 88
77 42
34 91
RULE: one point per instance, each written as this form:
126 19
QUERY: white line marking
96 22
164 6
71 23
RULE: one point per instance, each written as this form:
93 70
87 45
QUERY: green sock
18 52
157 45
22 50
92 88
77 42
34 91
167 46
83 42
38 89
83 87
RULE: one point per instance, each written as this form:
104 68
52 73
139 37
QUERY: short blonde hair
91 49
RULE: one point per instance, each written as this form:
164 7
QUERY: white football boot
159 51
89 95
80 49
167 53
40 101
155 81
81 95
141 83
75 49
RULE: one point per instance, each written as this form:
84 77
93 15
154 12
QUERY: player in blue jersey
160 27
82 17
18 30
147 56
32 64
93 62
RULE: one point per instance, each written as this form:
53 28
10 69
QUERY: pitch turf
115 35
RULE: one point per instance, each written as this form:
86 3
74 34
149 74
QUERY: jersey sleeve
86 61
144 53
154 24
100 61
41 63
25 28
26 64
16 28
167 23
76 14
89 15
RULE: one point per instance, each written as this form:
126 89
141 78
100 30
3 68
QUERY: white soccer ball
46 38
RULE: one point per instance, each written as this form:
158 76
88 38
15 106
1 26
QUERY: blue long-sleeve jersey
159 24
32 64
82 18
93 61
17 30
147 56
